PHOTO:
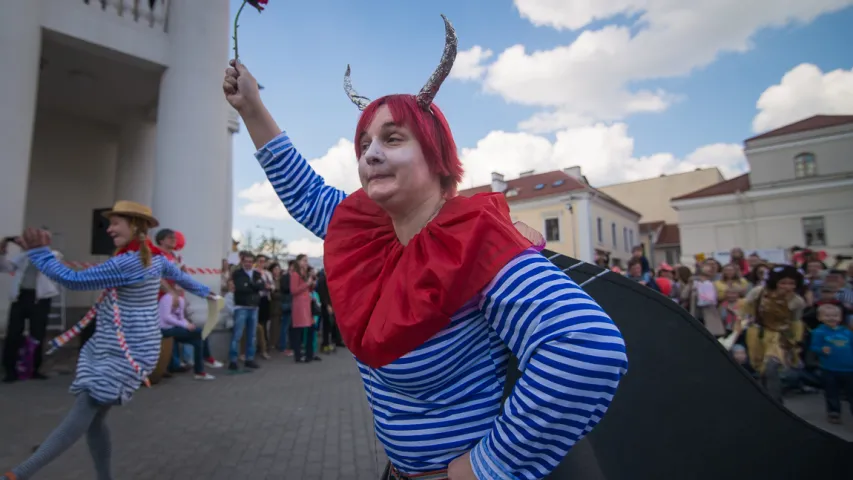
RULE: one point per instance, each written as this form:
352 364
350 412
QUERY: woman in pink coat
301 318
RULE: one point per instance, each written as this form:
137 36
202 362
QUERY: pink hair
430 129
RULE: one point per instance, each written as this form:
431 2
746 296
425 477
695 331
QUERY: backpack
706 294
26 358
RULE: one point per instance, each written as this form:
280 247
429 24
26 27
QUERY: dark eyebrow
385 126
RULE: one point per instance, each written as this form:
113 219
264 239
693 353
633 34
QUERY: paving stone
282 421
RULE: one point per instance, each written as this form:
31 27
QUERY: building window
814 232
625 239
631 238
613 234
552 229
600 232
805 165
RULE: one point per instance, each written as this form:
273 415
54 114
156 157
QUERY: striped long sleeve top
444 398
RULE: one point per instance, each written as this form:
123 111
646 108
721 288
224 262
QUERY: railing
153 12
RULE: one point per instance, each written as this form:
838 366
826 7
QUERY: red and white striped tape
190 270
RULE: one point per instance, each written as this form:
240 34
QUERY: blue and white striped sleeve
109 274
304 194
571 356
171 271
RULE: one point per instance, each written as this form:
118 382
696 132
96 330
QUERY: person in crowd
774 337
832 341
665 281
286 310
301 317
125 347
331 333
700 299
173 324
264 307
730 308
405 300
313 332
740 356
683 276
635 273
275 306
30 298
814 277
738 260
248 285
730 279
757 275
226 315
638 253
715 270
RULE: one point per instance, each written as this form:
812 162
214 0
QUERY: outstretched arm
304 193
571 356
115 272
170 271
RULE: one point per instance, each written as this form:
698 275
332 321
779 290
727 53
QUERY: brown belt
394 474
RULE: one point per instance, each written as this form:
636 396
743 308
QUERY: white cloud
310 247
605 154
236 235
338 167
804 91
469 63
592 76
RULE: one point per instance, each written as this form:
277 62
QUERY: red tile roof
727 187
552 183
812 123
549 183
669 235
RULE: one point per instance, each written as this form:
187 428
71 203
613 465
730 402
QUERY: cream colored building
576 219
108 100
651 197
799 192
659 231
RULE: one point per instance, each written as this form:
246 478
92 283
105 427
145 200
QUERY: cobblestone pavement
282 421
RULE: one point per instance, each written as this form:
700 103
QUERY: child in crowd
833 342
730 308
738 352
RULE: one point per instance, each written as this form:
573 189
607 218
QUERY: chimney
526 173
574 172
498 183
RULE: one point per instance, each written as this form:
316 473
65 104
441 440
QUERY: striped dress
103 371
444 398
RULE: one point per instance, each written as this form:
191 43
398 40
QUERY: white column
20 52
20 45
233 128
137 156
192 147
583 223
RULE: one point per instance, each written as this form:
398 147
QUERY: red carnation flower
259 4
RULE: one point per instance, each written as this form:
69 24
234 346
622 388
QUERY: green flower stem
236 19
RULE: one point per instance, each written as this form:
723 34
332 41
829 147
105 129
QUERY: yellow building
575 218
659 230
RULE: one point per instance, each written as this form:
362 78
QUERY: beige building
799 192
576 219
659 231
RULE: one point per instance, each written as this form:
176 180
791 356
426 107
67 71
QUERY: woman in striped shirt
433 292
126 343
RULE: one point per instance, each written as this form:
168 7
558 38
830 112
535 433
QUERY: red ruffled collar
390 299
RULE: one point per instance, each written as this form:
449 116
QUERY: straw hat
126 208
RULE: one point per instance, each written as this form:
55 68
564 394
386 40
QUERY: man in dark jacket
327 316
248 284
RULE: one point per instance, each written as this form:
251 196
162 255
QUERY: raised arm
170 271
571 356
304 193
116 272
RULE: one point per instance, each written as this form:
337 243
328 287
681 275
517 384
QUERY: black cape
686 410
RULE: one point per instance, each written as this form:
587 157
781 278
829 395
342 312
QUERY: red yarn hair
430 129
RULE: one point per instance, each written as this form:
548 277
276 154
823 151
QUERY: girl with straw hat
126 343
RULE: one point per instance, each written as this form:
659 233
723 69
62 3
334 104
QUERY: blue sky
299 51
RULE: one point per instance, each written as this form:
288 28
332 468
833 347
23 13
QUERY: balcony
154 13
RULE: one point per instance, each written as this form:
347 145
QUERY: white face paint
392 168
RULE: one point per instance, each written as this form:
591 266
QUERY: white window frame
816 218
805 165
